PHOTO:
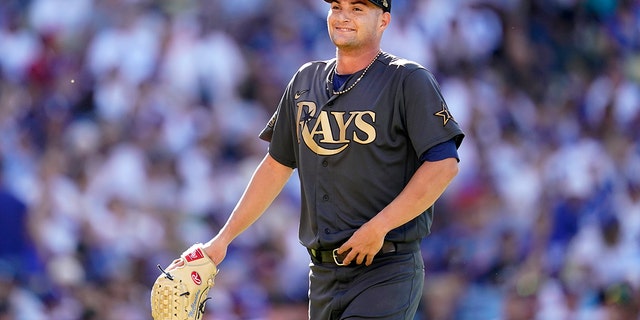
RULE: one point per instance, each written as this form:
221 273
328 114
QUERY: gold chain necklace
357 80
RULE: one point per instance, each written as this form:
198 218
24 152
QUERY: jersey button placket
331 101
325 164
323 190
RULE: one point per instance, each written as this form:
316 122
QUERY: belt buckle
335 258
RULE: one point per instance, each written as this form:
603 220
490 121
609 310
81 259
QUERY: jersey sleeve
279 132
428 119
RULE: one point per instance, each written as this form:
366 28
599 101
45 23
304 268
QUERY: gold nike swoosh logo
299 93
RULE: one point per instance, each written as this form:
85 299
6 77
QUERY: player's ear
385 19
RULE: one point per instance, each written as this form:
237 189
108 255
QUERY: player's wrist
378 226
216 250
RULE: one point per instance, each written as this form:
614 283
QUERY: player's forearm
265 185
424 188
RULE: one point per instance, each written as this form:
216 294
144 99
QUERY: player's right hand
216 249
216 252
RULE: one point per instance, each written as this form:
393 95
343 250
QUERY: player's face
356 23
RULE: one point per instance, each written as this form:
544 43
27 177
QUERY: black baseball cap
384 4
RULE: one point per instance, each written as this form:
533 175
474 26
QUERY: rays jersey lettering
330 132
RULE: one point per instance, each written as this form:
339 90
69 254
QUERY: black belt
332 256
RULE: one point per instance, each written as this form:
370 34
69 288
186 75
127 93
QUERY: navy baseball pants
390 289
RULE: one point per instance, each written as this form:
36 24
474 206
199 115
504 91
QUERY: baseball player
375 146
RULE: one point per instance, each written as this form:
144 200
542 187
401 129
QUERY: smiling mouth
342 29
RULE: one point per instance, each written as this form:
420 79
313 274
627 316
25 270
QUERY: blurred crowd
128 130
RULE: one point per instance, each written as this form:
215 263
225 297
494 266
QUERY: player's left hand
363 245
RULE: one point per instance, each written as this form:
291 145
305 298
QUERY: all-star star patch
445 114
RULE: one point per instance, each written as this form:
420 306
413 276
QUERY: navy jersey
356 151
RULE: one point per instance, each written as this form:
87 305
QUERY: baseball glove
181 293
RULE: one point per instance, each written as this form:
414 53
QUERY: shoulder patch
445 114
